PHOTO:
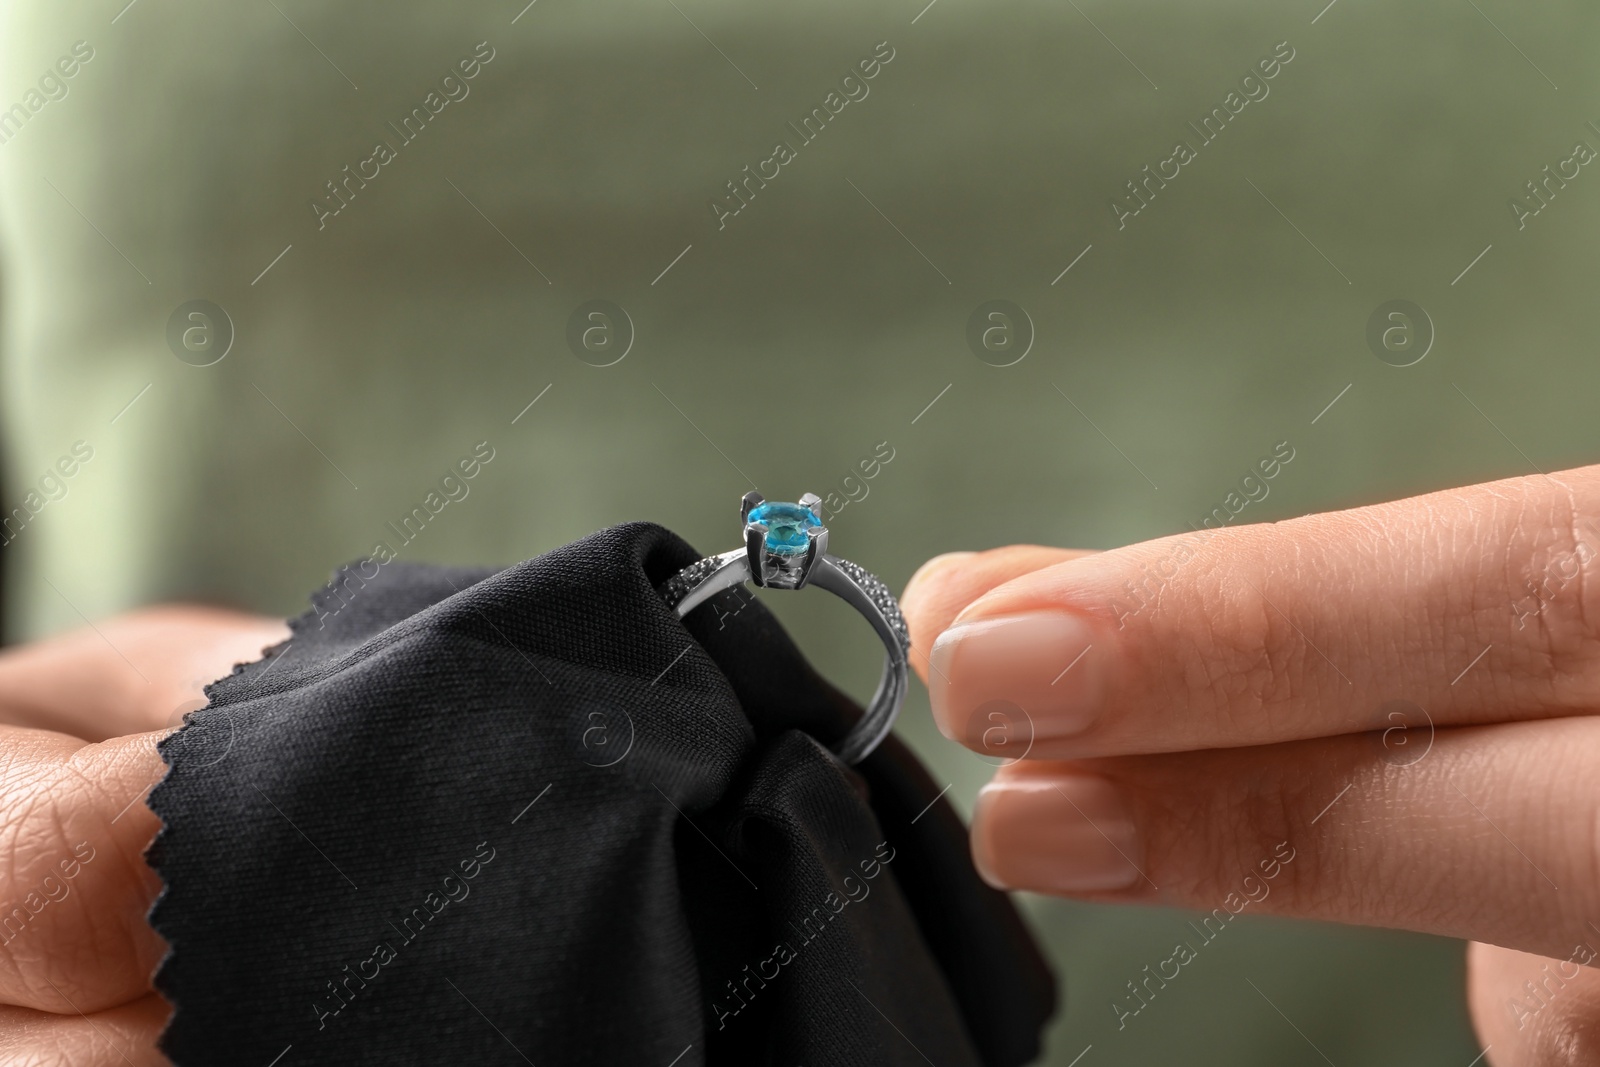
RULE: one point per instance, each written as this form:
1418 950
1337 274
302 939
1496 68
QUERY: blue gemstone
786 527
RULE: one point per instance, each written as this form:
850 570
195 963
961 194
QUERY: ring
786 547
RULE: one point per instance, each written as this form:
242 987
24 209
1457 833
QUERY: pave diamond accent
674 589
880 596
677 587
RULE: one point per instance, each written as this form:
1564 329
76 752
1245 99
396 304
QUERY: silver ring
786 547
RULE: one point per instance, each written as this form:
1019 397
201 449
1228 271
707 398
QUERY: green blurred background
181 161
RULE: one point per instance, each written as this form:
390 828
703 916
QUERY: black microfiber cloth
529 816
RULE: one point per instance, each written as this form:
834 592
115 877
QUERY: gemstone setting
788 526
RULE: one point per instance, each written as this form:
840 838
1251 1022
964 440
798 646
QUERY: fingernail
1068 834
1043 672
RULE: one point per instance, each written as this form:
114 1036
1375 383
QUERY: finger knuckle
1246 665
1247 830
1554 600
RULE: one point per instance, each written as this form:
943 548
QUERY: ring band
786 547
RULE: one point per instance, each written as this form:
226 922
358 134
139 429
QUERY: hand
1383 716
76 949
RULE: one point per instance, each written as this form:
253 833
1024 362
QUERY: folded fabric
529 816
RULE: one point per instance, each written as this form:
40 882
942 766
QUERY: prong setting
751 501
755 547
815 550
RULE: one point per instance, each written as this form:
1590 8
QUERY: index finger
1470 606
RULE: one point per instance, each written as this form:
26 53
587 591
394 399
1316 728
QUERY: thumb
1535 1012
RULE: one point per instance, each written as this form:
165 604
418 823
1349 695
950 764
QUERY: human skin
1172 735
1223 714
80 716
